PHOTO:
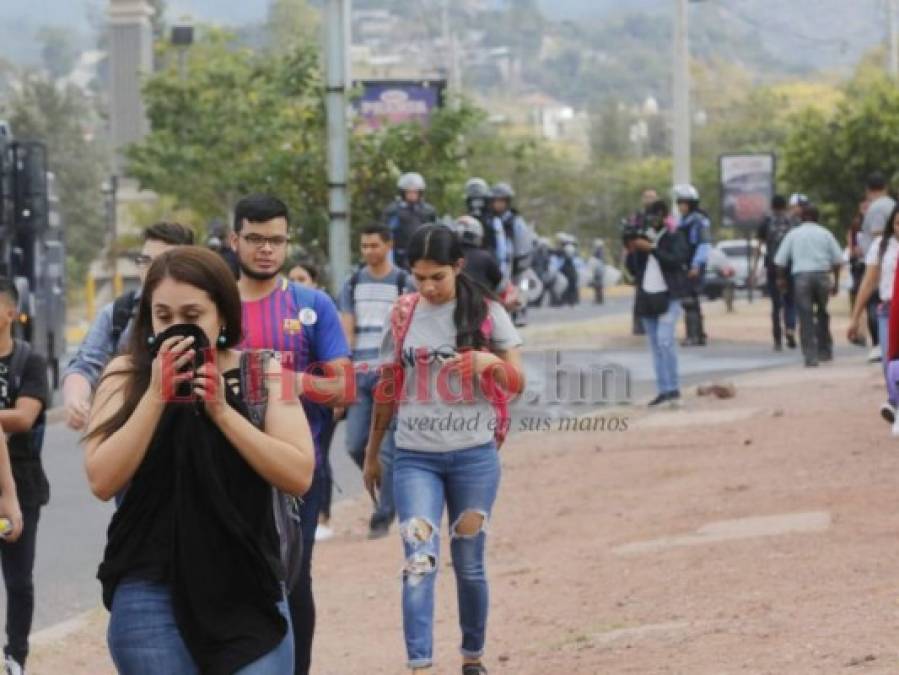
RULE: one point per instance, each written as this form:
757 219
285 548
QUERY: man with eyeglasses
303 325
111 330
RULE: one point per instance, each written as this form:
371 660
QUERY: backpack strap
353 282
252 384
400 320
122 311
401 280
20 353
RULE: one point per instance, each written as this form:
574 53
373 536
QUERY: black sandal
474 669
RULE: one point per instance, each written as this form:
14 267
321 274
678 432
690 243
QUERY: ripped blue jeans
467 482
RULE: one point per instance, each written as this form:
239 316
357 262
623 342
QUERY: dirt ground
755 535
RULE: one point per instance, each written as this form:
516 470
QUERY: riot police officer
408 212
519 239
697 228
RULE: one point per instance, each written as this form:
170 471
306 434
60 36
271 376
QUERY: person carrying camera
658 259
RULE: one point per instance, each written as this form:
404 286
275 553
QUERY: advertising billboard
747 186
386 102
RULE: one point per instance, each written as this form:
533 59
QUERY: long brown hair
193 265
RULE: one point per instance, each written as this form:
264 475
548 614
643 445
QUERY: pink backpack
401 319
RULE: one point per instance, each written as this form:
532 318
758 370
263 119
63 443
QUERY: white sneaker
895 431
874 355
323 532
13 667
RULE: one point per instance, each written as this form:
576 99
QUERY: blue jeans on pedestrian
358 425
883 331
144 639
660 330
467 482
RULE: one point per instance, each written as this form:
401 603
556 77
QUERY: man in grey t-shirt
365 303
880 208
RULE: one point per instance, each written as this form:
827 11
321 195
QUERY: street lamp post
110 189
681 93
338 140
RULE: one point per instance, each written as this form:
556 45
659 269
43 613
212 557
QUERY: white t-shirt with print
887 265
432 423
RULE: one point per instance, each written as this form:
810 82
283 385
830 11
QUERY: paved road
72 530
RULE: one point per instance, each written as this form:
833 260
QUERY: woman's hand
371 472
174 354
9 508
479 362
209 387
853 331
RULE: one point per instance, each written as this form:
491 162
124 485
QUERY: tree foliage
830 155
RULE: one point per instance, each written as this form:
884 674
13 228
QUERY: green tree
291 23
60 118
829 156
240 121
237 122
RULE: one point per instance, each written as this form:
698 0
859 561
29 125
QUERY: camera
631 230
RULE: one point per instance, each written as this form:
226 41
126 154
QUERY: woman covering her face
192 573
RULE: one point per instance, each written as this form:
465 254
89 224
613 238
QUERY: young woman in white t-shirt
880 272
446 455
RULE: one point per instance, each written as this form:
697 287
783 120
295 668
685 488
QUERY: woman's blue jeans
467 482
660 330
883 332
144 639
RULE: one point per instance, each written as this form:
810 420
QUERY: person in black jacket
480 265
658 262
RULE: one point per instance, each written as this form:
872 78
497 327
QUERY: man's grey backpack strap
285 507
20 353
122 312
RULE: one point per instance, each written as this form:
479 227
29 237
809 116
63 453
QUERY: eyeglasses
143 260
257 240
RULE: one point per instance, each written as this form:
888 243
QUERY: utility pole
451 58
681 84
893 16
336 21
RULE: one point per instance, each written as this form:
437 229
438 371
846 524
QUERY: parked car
736 251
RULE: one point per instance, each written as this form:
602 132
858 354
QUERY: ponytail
471 311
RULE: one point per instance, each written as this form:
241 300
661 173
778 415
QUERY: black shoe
791 340
378 527
474 669
778 347
824 358
888 412
659 400
811 364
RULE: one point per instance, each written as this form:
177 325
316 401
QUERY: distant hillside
834 35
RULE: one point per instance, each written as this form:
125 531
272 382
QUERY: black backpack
777 228
286 507
20 353
122 312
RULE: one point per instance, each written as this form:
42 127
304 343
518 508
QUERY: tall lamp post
336 15
110 189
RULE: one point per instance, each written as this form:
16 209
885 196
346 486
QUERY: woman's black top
197 518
